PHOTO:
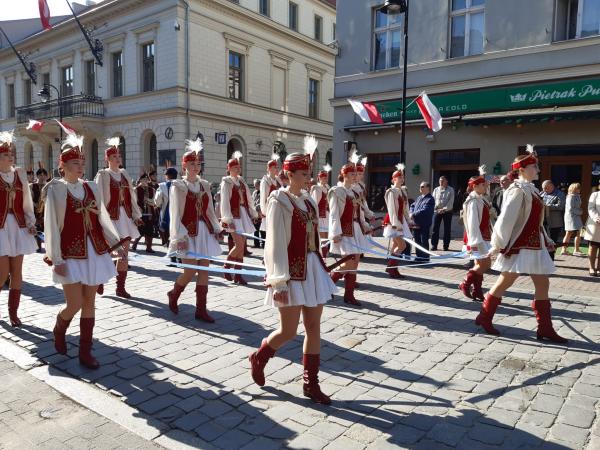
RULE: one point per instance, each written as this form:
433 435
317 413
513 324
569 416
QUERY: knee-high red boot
201 312
228 276
100 290
467 283
336 276
350 282
173 296
311 386
258 361
325 251
392 269
60 331
86 331
237 278
544 318
120 291
14 298
477 287
485 317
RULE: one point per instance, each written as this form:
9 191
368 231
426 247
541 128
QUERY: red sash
120 196
11 201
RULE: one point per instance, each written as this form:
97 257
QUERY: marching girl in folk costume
79 239
145 200
194 229
237 213
477 236
17 225
396 221
296 275
119 197
524 246
347 228
319 194
361 189
268 184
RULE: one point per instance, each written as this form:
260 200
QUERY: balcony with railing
70 106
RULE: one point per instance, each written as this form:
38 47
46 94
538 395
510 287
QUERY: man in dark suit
421 213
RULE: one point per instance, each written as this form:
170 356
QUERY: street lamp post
45 96
393 7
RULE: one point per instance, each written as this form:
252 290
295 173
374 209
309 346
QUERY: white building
259 71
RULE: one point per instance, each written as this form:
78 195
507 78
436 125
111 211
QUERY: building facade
248 75
504 73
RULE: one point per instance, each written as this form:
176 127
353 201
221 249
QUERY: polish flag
430 113
366 111
35 125
44 14
66 128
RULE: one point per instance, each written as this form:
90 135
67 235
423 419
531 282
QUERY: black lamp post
45 96
393 7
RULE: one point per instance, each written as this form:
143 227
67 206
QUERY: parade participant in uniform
268 184
161 200
79 239
347 228
145 201
296 275
119 197
237 213
194 229
396 221
477 236
38 205
17 225
520 238
361 189
319 194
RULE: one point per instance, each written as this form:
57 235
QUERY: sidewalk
35 416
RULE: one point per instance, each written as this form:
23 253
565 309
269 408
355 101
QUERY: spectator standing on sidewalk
421 213
592 232
444 201
505 182
554 201
573 221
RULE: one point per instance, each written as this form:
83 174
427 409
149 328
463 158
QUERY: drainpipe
187 69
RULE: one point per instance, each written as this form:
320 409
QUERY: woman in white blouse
194 229
592 232
297 279
17 225
573 222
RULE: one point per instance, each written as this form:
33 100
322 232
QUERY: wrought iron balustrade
70 106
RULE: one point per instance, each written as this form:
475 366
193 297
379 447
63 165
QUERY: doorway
457 166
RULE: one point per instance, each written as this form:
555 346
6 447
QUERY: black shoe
434 249
446 249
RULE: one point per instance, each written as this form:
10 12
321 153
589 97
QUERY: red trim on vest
195 210
530 237
486 226
401 205
120 196
14 207
235 202
83 222
323 205
347 217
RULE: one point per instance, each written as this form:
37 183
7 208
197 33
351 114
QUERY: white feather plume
275 157
400 167
310 145
113 141
354 158
72 141
482 169
6 137
363 161
327 168
237 155
530 149
194 146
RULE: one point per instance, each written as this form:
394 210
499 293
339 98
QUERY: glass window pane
396 39
380 19
395 19
476 34
380 50
590 18
458 4
477 2
457 43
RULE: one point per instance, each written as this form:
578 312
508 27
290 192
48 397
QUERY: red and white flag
66 128
430 113
44 14
35 125
366 111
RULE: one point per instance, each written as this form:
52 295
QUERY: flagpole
403 138
31 70
97 48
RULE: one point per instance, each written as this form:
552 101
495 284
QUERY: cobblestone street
410 369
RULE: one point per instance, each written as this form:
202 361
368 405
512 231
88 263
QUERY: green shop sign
580 92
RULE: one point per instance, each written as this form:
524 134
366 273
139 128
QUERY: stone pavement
35 416
409 370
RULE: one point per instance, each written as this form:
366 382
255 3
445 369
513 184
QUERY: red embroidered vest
530 237
11 201
323 205
195 209
238 200
120 196
82 222
300 242
347 218
486 226
400 208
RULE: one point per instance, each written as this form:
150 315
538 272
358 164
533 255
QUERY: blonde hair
574 187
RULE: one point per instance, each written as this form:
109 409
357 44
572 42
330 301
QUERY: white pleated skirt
244 224
389 232
482 250
15 241
125 226
316 290
529 262
94 270
348 245
203 244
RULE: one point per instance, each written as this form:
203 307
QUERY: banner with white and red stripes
44 14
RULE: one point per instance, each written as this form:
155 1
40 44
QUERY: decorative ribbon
253 273
193 255
11 190
86 210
